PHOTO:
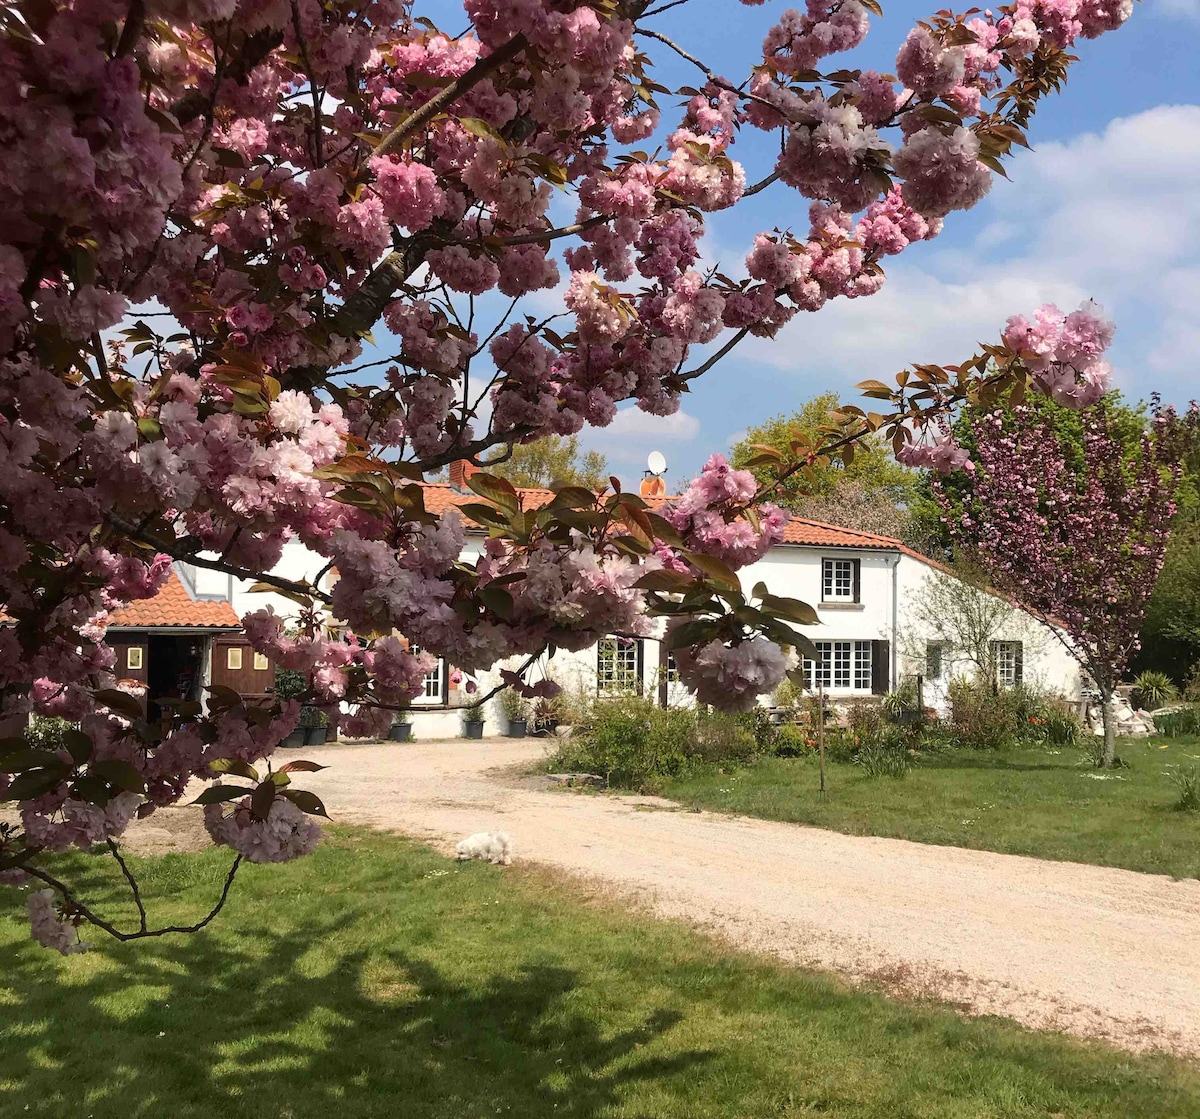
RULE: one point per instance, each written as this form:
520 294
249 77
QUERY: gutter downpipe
895 621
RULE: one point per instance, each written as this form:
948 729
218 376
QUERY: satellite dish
656 463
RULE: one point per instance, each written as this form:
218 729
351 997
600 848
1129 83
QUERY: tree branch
95 919
554 234
133 886
762 184
130 33
450 94
173 549
705 366
711 75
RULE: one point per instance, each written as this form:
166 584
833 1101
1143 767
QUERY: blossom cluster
48 928
1065 351
1063 354
284 834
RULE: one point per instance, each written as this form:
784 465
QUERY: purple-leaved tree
1079 544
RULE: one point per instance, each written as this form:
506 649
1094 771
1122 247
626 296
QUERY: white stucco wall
1047 664
891 586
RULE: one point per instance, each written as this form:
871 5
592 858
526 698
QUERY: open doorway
173 671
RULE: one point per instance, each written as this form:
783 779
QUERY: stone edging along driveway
1094 951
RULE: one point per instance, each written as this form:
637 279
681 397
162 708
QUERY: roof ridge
851 531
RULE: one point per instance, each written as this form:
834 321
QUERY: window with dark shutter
857 580
881 667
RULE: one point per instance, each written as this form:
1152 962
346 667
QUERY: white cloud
633 423
633 434
1111 215
914 317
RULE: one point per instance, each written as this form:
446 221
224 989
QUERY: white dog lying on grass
494 846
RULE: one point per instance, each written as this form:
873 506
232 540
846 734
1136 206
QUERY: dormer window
839 580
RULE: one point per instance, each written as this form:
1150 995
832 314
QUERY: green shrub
843 745
757 721
1191 684
637 745
789 697
513 706
1178 724
724 739
983 717
1062 729
47 733
1152 689
1187 781
865 721
792 741
902 700
289 683
887 758
313 717
631 742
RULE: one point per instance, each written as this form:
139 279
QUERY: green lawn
376 979
1022 801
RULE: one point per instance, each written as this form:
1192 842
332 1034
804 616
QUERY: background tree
1170 637
1075 532
870 492
554 460
212 208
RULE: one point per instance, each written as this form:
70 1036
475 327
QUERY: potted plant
289 684
515 709
315 723
473 723
401 728
547 713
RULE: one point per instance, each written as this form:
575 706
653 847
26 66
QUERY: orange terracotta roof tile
440 497
174 607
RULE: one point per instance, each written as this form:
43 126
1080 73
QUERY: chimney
460 471
652 486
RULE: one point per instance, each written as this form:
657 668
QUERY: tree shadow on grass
200 1028
989 761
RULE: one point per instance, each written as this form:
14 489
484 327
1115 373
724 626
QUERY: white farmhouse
886 613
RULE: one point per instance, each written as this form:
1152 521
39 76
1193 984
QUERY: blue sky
1106 206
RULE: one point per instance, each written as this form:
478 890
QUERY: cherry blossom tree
1079 544
217 214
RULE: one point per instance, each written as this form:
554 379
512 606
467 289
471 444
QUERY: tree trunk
1110 731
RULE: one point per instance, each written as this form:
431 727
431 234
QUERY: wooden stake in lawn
821 733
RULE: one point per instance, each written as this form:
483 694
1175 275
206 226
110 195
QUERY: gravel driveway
1097 952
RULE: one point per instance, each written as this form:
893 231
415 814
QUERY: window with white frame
672 669
618 666
433 687
261 664
233 658
841 664
863 659
1007 655
839 580
933 660
133 657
